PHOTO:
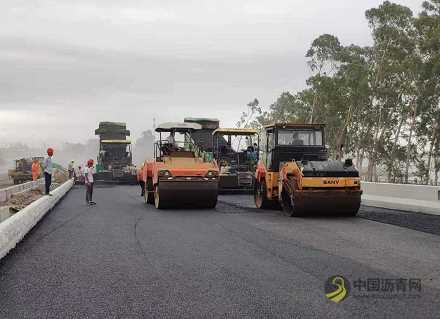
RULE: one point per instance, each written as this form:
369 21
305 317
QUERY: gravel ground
125 259
20 201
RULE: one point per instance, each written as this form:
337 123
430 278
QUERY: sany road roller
181 174
296 174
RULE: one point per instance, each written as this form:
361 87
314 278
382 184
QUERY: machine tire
352 214
287 204
149 192
260 196
212 204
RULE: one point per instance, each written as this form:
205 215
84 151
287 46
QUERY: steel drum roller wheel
157 202
260 196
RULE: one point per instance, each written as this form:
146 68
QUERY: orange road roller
181 174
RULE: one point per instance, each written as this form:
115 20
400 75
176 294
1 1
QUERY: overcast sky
66 65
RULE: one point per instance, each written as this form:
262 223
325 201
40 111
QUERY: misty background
67 65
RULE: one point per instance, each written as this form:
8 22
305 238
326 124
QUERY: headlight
164 173
212 174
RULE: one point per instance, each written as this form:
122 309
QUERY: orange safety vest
140 175
35 171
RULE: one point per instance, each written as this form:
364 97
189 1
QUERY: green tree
428 40
382 103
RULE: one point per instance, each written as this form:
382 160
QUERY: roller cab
181 175
297 176
236 151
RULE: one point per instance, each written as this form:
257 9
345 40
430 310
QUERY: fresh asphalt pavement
125 259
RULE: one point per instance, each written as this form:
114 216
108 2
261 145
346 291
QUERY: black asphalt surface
124 259
417 221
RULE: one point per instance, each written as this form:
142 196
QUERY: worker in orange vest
36 171
140 178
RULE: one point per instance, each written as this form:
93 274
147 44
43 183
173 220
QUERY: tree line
381 103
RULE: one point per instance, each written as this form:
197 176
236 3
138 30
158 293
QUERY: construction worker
71 169
80 175
36 169
89 182
140 178
48 170
171 139
171 142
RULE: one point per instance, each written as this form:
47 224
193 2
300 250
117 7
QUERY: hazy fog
66 65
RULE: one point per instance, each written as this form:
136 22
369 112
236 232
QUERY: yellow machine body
316 185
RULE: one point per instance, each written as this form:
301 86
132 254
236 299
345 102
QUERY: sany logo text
331 182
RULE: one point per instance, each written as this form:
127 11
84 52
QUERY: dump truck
114 162
181 174
297 175
236 151
23 170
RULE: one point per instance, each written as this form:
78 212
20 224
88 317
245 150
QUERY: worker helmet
50 151
90 163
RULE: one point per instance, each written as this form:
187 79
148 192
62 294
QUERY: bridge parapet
415 198
13 229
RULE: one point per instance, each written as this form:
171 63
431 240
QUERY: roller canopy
295 126
116 142
235 131
178 127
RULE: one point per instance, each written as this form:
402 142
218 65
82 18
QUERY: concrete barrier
6 193
13 229
415 198
5 213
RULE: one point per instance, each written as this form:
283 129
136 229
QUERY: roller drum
337 202
182 193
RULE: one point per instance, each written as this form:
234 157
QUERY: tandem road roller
297 175
181 175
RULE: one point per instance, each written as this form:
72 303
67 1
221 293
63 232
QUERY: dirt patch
20 201
60 176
